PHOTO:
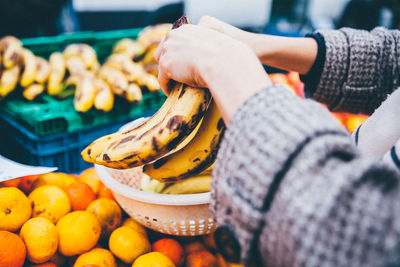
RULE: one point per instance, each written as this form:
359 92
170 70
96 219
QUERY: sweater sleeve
361 68
292 189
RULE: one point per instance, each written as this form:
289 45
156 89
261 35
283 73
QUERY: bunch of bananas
185 110
18 64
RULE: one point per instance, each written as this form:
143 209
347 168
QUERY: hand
202 57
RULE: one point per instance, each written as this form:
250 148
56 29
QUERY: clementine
15 208
170 248
12 250
80 195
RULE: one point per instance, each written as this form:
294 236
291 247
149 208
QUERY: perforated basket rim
149 197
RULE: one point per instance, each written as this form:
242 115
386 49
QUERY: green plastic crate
47 115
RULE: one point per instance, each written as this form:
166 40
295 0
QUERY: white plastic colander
181 215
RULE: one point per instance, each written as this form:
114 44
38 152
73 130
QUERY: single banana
149 57
132 71
196 156
57 73
150 185
83 51
75 65
11 49
133 150
85 91
149 81
94 150
32 91
134 93
9 80
128 47
29 67
192 185
42 70
115 79
104 99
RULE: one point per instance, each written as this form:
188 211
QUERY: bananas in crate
148 143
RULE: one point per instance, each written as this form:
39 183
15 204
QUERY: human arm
357 71
288 181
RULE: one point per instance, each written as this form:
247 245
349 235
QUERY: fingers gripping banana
104 99
196 156
192 185
9 80
83 51
134 150
29 64
94 150
42 70
11 48
57 73
32 91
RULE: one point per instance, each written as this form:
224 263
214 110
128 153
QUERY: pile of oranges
292 81
58 219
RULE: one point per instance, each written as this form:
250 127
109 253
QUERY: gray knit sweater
289 182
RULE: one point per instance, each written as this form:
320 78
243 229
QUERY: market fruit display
101 235
128 72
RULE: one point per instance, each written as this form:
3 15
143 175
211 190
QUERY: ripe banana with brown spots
42 70
133 148
193 185
84 52
29 64
104 99
196 156
8 80
93 151
10 47
57 73
32 91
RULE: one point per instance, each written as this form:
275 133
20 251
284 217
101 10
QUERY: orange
15 208
41 239
128 244
26 183
135 226
89 176
12 250
201 258
170 248
153 259
108 213
78 232
105 192
13 182
49 201
193 246
60 179
80 195
98 256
